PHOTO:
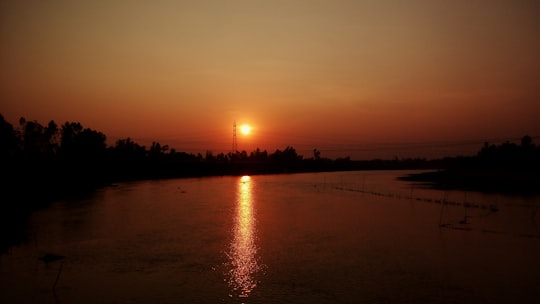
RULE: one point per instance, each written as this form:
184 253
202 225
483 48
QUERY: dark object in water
51 257
465 220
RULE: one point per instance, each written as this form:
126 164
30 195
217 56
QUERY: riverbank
518 182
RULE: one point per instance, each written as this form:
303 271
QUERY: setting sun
245 129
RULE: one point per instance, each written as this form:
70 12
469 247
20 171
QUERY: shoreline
512 182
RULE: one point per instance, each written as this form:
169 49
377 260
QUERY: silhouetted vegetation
45 162
40 163
508 167
54 160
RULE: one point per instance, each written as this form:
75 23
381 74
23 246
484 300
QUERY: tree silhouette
316 154
52 137
510 156
527 142
9 142
80 143
287 155
127 149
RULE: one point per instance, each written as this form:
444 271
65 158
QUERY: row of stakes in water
490 207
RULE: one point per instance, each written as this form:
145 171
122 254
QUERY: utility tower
234 142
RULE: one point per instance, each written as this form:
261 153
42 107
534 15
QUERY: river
340 237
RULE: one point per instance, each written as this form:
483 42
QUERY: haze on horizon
360 78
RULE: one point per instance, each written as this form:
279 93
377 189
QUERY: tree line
52 158
43 162
507 167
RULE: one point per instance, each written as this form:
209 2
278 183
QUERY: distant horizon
356 151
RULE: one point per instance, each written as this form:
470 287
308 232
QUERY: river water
341 237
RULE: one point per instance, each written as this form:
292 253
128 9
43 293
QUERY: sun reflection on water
243 250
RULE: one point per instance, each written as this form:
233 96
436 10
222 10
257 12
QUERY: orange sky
360 78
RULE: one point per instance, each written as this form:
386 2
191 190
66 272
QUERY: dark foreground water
345 237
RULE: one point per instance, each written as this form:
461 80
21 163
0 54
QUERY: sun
245 129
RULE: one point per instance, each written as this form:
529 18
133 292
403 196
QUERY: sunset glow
367 79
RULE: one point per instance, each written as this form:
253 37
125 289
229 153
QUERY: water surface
342 237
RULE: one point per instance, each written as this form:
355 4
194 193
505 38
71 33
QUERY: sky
365 79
